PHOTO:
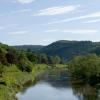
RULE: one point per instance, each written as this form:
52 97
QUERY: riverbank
13 80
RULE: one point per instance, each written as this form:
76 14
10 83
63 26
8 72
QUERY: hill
30 47
65 49
69 49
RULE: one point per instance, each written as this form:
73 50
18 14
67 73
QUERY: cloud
92 21
53 30
48 40
19 32
25 1
75 31
81 31
92 15
56 10
20 11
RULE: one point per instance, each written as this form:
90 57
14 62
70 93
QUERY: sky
41 22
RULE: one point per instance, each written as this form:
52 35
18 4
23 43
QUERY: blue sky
45 21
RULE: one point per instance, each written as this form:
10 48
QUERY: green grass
13 80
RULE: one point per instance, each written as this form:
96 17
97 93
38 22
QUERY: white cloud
81 31
19 32
56 10
48 40
20 11
92 21
53 30
92 15
75 31
25 1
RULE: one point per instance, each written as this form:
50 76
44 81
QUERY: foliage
3 59
1 70
18 67
11 57
25 65
32 57
67 50
86 68
29 47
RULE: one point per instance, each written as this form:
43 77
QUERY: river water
57 86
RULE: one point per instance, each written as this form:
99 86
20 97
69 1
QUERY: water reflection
85 92
57 86
45 91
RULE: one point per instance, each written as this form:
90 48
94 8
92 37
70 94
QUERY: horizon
50 43
34 22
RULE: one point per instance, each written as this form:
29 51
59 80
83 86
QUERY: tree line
24 60
86 68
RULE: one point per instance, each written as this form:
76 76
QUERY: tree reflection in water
60 80
85 92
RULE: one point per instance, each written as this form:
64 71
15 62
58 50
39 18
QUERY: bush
25 65
85 67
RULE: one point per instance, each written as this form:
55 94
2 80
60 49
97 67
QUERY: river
57 86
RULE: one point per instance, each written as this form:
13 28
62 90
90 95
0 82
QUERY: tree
3 59
51 60
44 58
1 69
24 64
32 57
54 59
57 59
85 67
11 56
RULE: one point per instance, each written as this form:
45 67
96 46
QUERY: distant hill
29 47
65 49
69 49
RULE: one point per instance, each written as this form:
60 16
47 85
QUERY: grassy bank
13 80
17 67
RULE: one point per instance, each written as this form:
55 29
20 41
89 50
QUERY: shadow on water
59 81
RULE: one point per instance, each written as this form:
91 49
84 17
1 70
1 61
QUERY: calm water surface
56 86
